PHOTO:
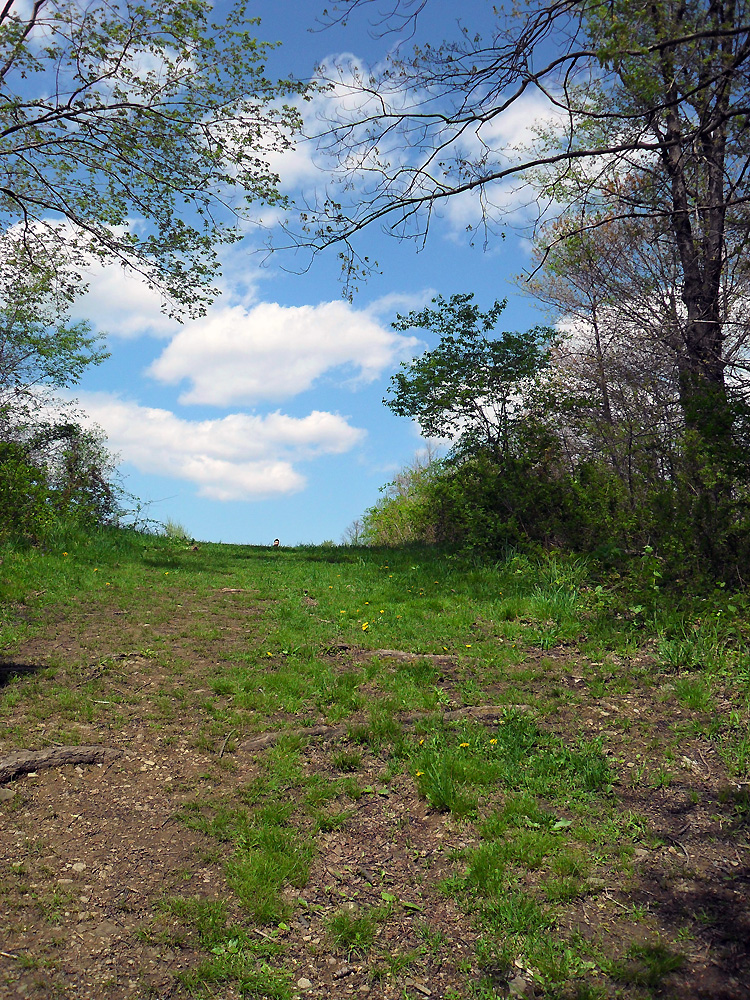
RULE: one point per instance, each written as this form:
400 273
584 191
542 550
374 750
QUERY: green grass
353 931
534 797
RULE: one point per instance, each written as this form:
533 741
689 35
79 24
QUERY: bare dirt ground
88 853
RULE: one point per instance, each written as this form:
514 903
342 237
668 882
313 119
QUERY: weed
434 938
514 912
352 931
694 693
662 778
347 760
440 784
268 858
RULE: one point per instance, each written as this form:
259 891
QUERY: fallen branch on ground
26 761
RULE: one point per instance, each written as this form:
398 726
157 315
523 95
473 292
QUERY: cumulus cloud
123 304
238 457
243 354
356 95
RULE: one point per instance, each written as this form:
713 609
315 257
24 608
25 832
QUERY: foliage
38 349
472 387
23 493
113 119
638 142
52 467
403 513
53 474
555 442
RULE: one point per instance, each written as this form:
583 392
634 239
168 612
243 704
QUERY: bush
24 495
55 473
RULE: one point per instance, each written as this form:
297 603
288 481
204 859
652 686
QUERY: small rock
79 866
6 794
304 984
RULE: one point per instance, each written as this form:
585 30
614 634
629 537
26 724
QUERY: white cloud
267 351
357 95
400 302
239 457
121 304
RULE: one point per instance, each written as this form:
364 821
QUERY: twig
679 844
7 954
226 740
616 901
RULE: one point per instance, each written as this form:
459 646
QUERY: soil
89 852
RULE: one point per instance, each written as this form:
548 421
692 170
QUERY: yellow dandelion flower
96 569
421 741
65 553
420 773
463 744
468 645
382 612
493 741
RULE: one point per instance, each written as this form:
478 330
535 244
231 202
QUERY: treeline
572 437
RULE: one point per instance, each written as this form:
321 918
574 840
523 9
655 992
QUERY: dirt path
88 854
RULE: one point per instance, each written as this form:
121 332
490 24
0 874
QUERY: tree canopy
637 111
472 386
134 133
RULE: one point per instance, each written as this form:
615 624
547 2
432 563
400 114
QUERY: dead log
26 761
482 713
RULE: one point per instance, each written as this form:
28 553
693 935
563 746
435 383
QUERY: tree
611 291
132 132
55 474
50 467
40 350
470 388
647 110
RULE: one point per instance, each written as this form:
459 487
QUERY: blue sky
264 418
